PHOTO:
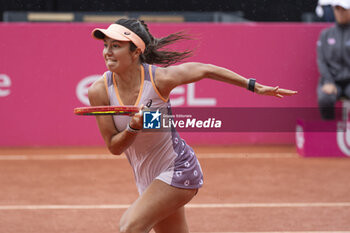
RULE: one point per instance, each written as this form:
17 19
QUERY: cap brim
100 34
121 33
345 5
342 6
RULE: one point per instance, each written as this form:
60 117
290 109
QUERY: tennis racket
107 110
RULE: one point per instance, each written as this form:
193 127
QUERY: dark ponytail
153 53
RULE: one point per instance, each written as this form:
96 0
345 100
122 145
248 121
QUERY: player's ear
136 53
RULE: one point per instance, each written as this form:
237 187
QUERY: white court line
275 232
110 156
270 205
60 157
246 155
190 206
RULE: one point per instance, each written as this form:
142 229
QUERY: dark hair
152 53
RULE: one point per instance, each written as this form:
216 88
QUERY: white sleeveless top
159 154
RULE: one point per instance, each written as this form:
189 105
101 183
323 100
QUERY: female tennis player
167 172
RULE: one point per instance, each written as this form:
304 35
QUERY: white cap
324 2
343 3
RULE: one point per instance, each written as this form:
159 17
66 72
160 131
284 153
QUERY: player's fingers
287 92
142 107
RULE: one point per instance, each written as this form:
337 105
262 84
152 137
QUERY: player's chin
111 65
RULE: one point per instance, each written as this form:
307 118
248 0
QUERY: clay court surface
246 189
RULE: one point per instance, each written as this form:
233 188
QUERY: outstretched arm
171 77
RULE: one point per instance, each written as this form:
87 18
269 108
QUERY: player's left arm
170 77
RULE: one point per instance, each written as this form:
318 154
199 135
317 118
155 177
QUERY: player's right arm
117 142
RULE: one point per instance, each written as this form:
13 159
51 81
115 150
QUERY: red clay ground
246 189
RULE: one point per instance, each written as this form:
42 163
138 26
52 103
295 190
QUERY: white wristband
131 130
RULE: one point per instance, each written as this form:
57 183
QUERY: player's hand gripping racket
107 110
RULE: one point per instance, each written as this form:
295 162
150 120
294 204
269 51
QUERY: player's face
117 54
342 16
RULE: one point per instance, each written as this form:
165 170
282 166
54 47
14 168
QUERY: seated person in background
333 60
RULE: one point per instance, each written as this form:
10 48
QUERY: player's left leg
158 202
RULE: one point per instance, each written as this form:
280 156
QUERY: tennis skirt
185 173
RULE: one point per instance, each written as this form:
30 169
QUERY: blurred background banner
45 69
193 10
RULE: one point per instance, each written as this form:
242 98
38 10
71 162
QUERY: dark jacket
333 54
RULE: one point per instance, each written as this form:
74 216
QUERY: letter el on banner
5 82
